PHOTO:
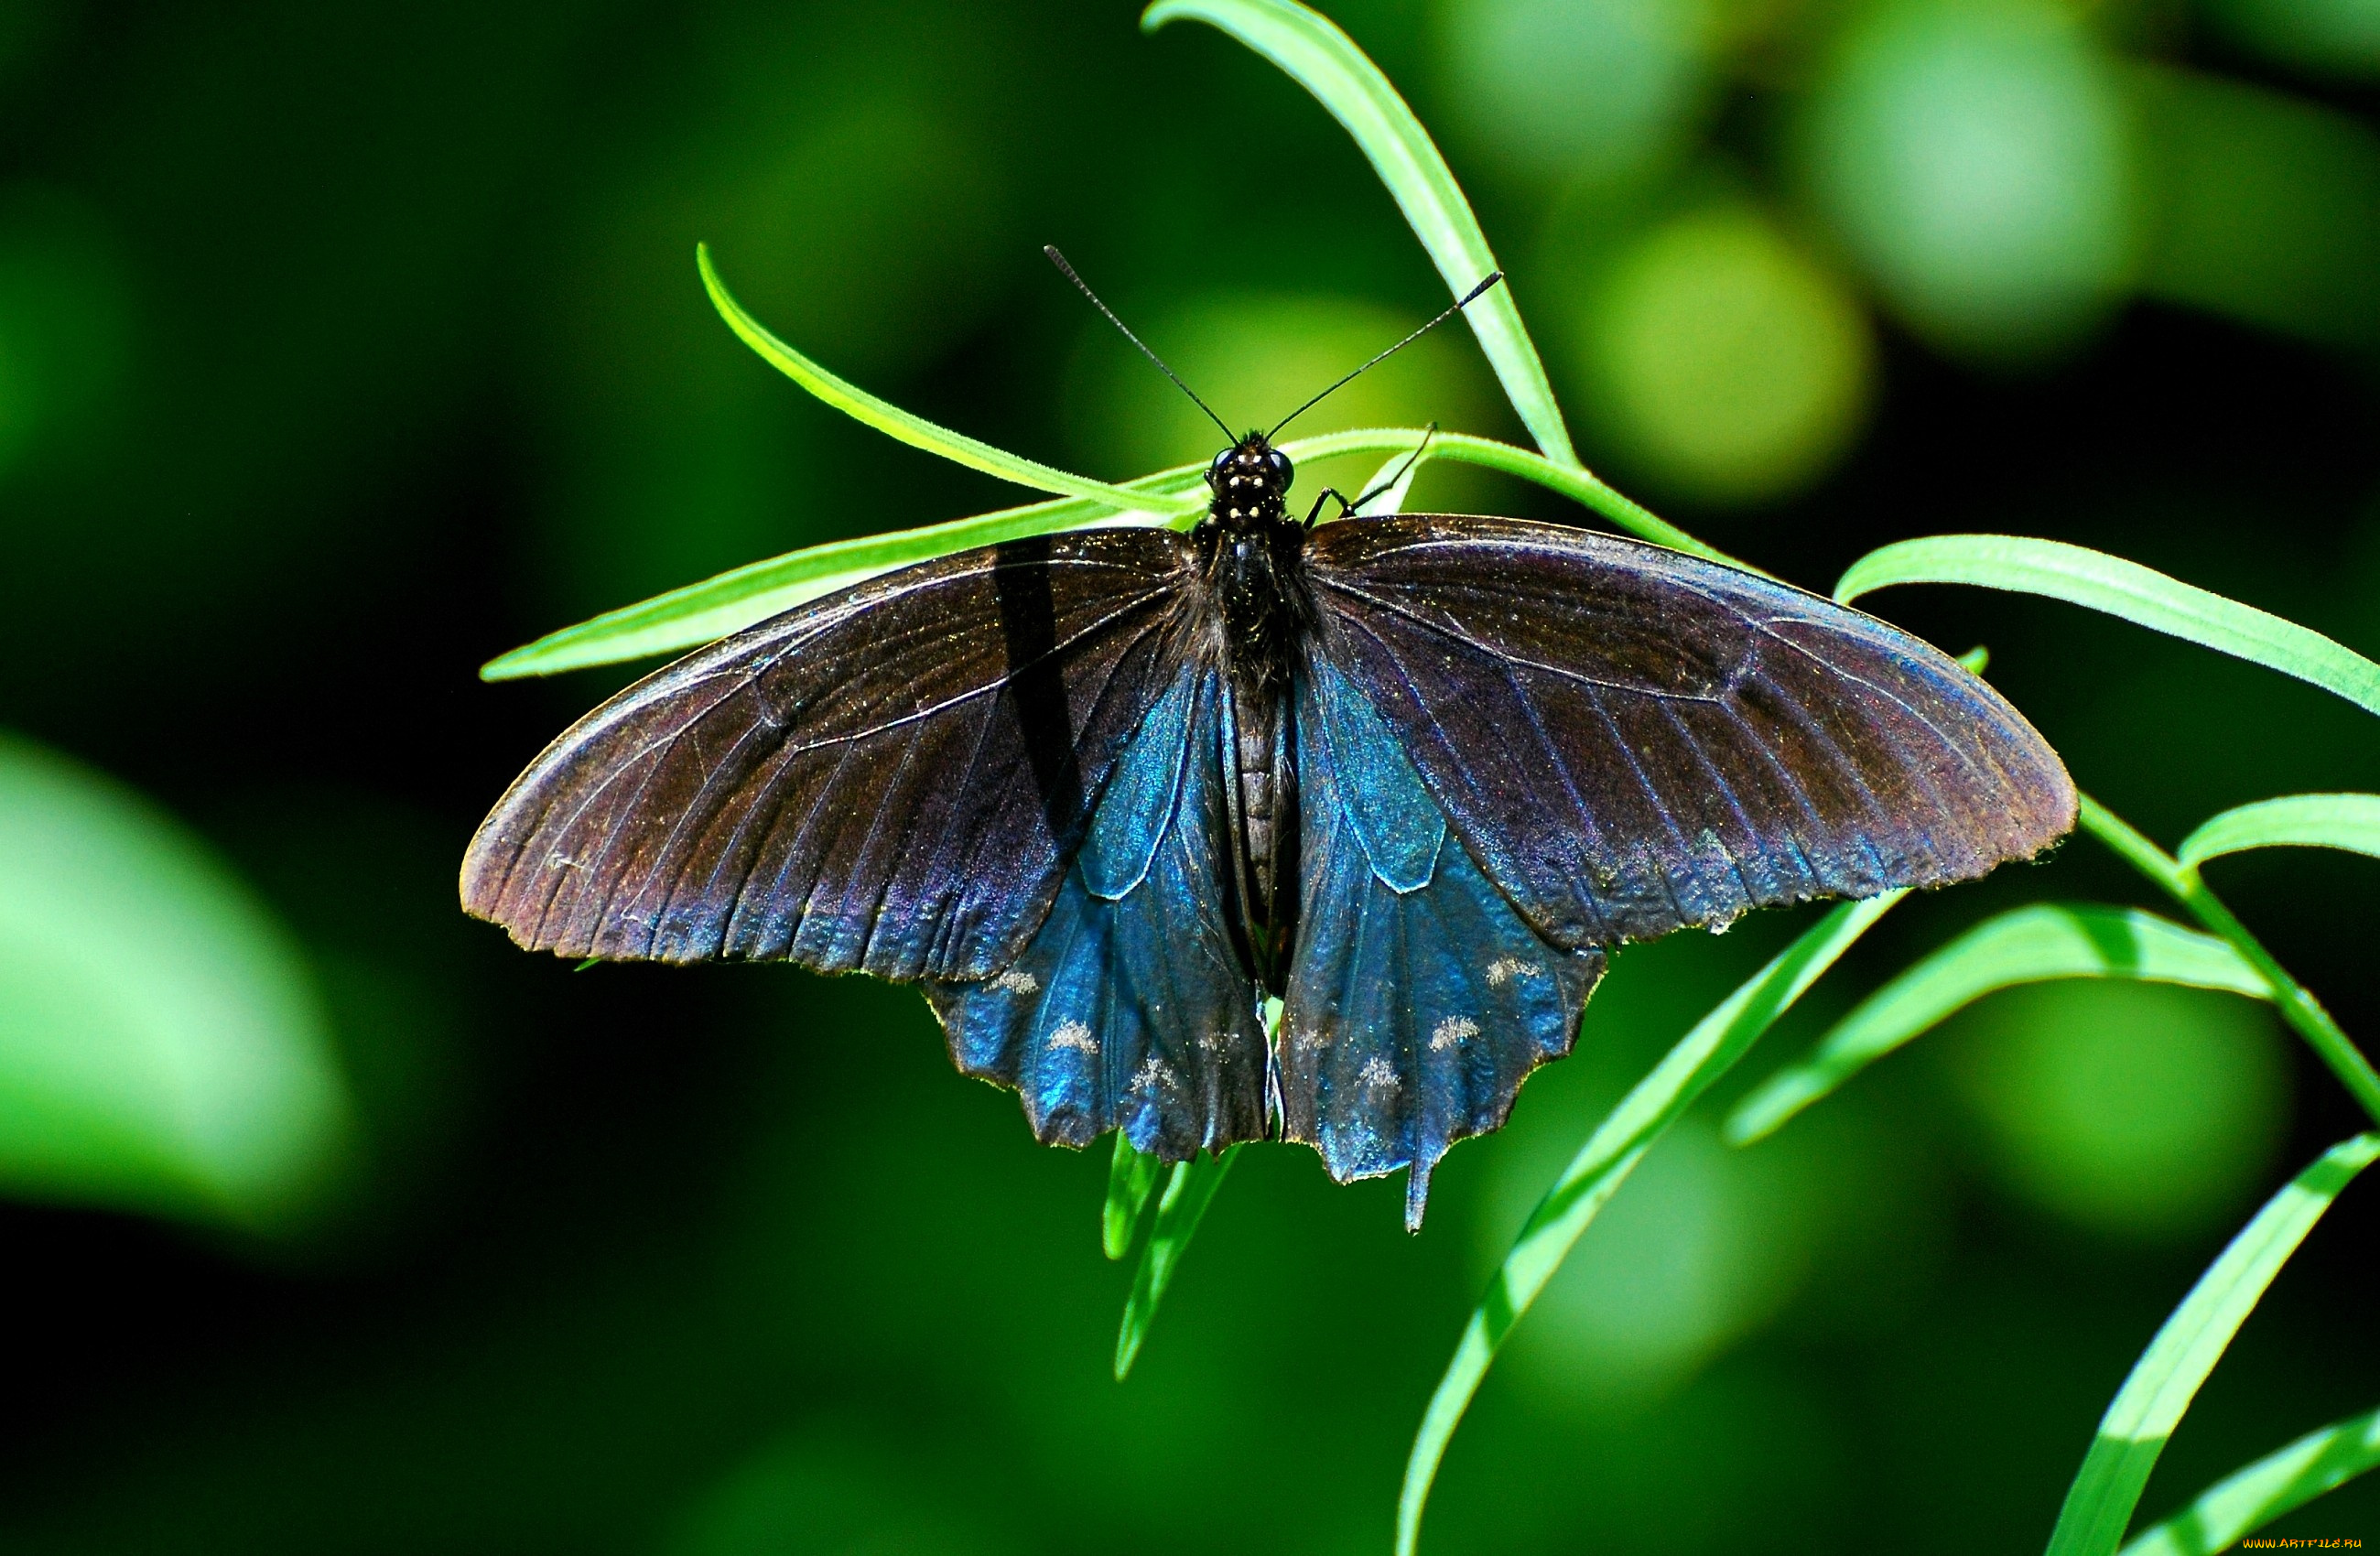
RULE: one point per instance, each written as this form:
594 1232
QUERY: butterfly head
1250 480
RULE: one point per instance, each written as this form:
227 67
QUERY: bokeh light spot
1700 1245
161 1047
2133 1108
1976 155
1725 363
2266 208
1590 88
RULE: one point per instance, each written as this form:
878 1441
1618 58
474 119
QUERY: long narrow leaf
1571 481
1326 63
1131 1176
700 613
2137 594
1603 1163
2023 945
733 601
2248 1498
2348 822
915 431
1187 1194
2166 1378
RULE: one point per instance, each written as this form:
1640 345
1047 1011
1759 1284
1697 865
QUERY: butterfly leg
1327 494
1346 507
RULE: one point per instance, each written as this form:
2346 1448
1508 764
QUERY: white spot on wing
1151 1077
1451 1031
1504 969
1075 1035
1017 980
1376 1072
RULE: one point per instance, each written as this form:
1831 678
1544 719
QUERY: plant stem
2298 1005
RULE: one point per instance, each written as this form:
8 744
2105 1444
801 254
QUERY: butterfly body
1251 559
1101 793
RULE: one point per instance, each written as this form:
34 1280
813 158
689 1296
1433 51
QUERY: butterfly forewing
1628 740
892 779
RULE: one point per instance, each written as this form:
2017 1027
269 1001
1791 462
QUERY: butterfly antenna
1068 271
1461 303
1410 460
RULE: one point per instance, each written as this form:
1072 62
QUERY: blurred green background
343 348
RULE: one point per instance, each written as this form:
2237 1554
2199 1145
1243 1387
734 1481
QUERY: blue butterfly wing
1130 1008
1631 740
1419 999
891 779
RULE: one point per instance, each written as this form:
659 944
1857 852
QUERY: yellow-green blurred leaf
161 1048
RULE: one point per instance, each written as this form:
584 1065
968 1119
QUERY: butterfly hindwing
891 779
1130 1008
1418 997
1629 739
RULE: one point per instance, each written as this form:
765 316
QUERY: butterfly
1103 794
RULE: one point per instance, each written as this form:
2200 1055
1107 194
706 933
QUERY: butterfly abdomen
1259 747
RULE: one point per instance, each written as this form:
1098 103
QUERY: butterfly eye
1215 469
1282 468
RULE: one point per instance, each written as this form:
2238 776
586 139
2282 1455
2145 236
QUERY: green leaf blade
2133 1432
727 603
1326 62
2348 821
715 607
2252 1496
1179 1210
1131 1176
915 431
1595 1174
2141 595
2031 944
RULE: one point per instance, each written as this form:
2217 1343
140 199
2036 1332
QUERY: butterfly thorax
1252 557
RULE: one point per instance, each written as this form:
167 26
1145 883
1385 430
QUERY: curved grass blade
701 613
2166 1378
1603 1163
1187 1194
915 431
2348 821
1130 1178
2248 1498
1573 482
1326 62
2025 945
2082 576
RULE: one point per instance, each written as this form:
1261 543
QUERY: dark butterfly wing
1130 1008
889 779
1628 739
1418 998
